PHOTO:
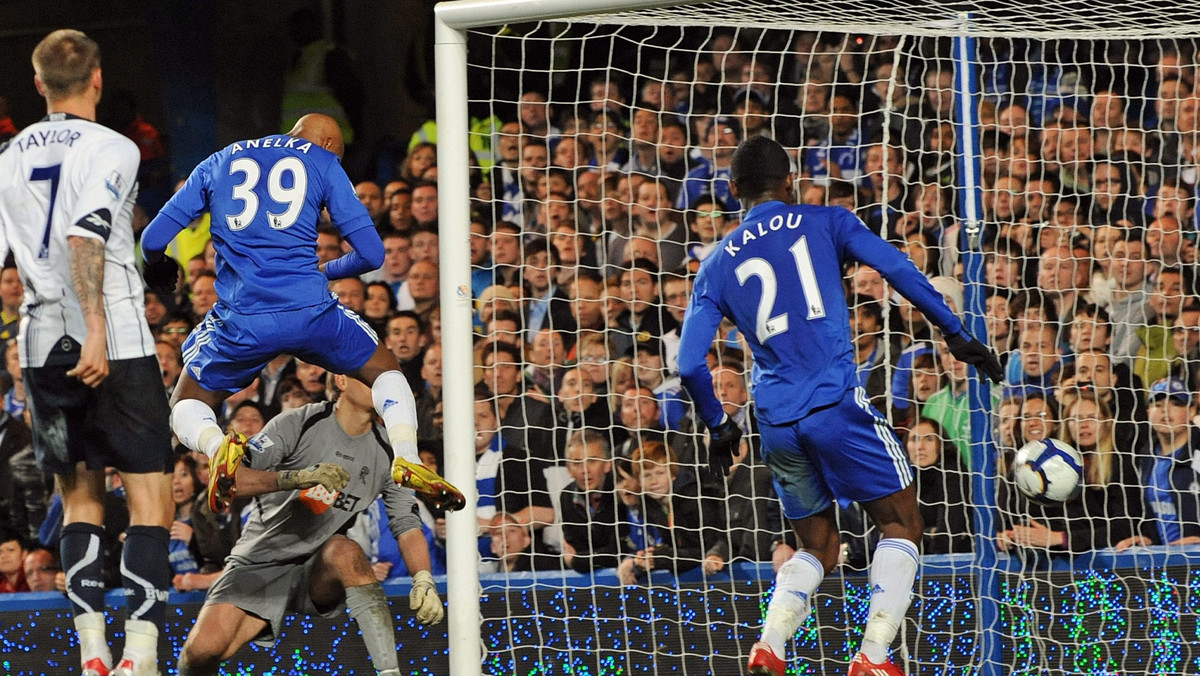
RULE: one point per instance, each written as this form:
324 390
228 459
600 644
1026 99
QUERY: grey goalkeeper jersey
291 526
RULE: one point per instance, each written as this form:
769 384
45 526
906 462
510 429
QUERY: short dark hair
494 347
759 163
409 314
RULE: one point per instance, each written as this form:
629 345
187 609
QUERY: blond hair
64 62
1097 464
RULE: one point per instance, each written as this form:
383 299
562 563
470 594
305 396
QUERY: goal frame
452 20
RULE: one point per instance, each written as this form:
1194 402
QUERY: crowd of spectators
589 221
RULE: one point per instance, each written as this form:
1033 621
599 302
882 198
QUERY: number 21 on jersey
293 197
766 324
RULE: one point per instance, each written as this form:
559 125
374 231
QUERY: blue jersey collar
762 208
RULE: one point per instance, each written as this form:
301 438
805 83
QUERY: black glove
966 349
724 444
161 273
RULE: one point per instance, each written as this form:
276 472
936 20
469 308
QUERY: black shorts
123 423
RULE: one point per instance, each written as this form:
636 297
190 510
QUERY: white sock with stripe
795 584
195 424
394 402
893 571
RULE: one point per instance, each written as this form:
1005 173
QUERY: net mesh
1134 20
601 174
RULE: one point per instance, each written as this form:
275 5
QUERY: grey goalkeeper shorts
270 591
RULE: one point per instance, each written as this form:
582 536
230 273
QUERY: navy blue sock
146 569
83 560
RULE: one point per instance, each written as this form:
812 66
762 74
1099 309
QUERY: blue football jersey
778 276
266 196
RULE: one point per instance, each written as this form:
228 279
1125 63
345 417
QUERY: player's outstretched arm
366 256
251 482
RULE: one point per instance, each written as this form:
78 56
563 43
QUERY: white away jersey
66 176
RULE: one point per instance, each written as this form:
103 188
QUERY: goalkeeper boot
764 662
222 482
95 667
861 666
439 492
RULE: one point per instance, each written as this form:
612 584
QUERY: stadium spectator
1185 334
185 485
1107 511
422 289
950 407
545 357
639 290
870 351
351 292
406 340
424 203
671 495
1127 305
649 370
371 196
943 489
711 174
399 207
754 513
429 396
170 362
577 407
27 488
515 548
1167 477
1155 349
379 306
525 421
12 296
594 522
247 418
508 479
203 295
12 563
420 159
175 329
43 572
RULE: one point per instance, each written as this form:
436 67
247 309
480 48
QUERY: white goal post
452 19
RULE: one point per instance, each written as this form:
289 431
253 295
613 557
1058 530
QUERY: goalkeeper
314 469
778 276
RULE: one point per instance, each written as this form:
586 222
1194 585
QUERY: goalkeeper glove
724 444
332 477
966 349
425 600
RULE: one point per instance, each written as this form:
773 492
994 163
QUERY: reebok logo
97 221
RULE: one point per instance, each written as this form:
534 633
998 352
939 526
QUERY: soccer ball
1048 471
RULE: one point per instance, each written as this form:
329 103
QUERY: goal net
599 182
